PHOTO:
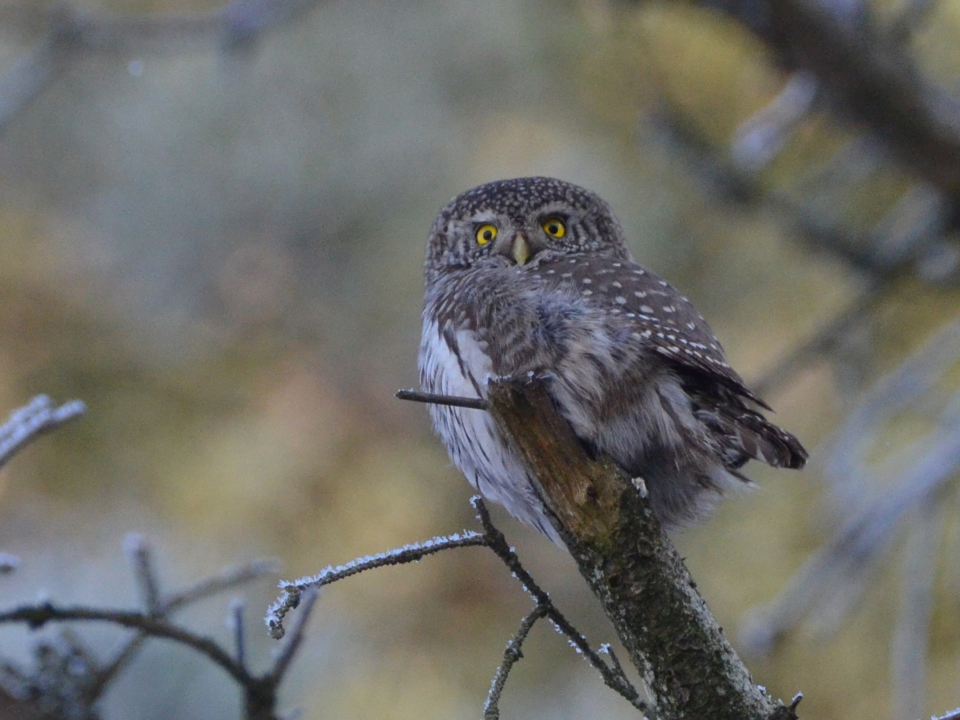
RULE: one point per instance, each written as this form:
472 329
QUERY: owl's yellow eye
486 234
554 227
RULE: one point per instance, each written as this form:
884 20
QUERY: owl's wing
663 317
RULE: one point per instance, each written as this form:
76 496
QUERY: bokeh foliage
218 247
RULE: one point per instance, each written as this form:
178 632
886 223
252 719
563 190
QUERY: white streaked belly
471 437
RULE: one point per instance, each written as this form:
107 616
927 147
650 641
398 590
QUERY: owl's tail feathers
743 435
760 439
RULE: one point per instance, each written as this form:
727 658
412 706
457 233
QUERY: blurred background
212 223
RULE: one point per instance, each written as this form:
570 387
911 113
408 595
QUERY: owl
534 275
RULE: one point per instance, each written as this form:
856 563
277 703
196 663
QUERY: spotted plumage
533 275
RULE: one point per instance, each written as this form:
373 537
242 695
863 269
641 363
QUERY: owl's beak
520 249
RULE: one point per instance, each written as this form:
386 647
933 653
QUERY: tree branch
293 591
631 566
868 76
36 616
613 677
512 653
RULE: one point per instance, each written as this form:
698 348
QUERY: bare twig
434 398
170 603
159 607
613 679
292 591
36 616
37 417
512 653
235 625
229 578
140 556
119 661
491 537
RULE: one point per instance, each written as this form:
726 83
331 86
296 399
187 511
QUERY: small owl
534 275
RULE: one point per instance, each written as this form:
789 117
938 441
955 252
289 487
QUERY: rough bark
631 566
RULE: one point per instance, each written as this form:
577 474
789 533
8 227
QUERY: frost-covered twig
512 653
295 636
612 677
414 552
37 417
159 604
494 539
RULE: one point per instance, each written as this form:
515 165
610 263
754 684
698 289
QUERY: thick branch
631 566
869 77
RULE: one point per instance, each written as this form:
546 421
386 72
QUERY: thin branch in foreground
512 653
37 417
435 399
607 649
613 677
292 591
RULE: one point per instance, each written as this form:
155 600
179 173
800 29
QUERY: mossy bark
632 567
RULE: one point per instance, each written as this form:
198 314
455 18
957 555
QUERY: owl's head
521 221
